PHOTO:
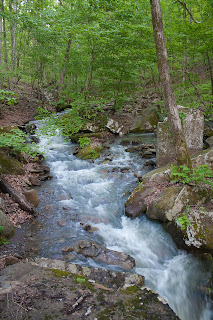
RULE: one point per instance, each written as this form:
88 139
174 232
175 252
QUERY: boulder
114 126
209 141
7 229
99 253
34 181
32 197
93 151
193 130
9 165
173 200
145 122
197 235
135 204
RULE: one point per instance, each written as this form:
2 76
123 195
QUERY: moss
92 151
77 136
131 289
9 165
59 273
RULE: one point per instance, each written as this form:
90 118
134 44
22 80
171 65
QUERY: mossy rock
9 165
77 136
146 122
93 151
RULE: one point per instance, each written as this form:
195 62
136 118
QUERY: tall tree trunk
181 149
5 46
66 58
210 70
1 47
13 25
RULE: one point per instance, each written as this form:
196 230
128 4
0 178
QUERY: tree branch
185 7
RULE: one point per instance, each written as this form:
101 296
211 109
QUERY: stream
84 192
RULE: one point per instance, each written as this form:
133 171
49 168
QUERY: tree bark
5 46
182 154
66 58
210 70
13 25
1 47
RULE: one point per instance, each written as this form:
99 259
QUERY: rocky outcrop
114 126
93 151
7 229
178 207
53 289
197 233
99 253
173 200
193 125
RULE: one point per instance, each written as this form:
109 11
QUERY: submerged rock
99 253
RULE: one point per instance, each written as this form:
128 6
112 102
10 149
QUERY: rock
9 165
75 137
7 229
135 204
197 236
193 131
34 181
150 163
173 200
209 142
10 260
67 249
30 128
145 122
89 228
114 126
45 176
93 151
32 197
101 254
34 139
61 223
76 150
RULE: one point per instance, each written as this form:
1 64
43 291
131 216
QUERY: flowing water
84 192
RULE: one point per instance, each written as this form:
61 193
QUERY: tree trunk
13 24
210 70
66 58
5 46
17 197
1 47
181 149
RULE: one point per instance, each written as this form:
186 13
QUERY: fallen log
17 197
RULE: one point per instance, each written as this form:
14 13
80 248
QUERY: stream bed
83 192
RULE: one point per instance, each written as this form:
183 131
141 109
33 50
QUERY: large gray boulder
99 253
145 122
7 229
193 126
173 200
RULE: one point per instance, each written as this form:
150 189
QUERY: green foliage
182 116
16 140
140 185
8 97
84 142
2 240
183 220
185 175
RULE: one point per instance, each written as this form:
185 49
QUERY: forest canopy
104 50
